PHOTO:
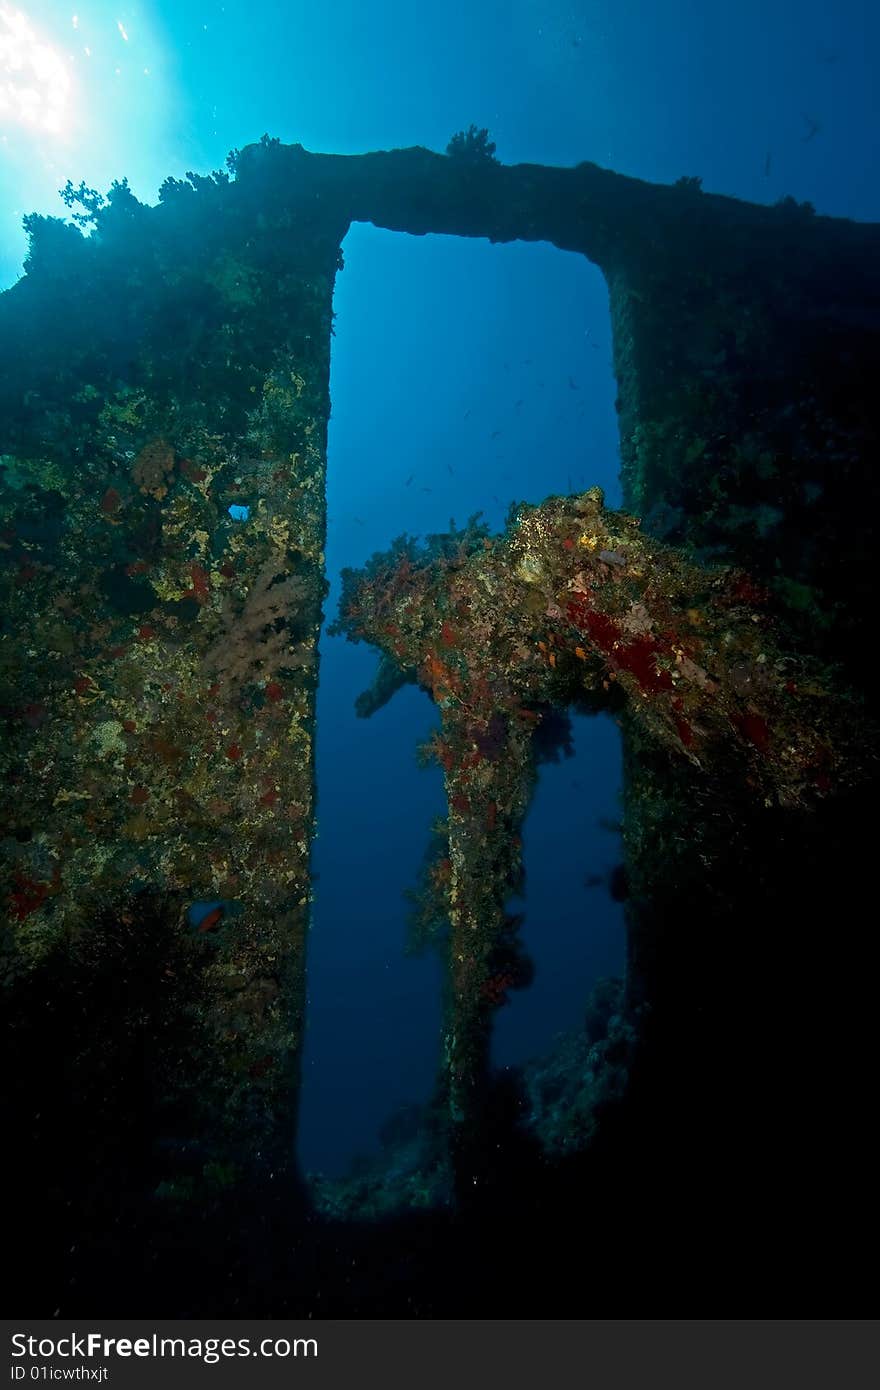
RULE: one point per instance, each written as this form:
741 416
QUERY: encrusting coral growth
161 573
257 640
574 604
153 468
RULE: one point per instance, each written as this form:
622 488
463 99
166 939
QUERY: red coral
201 589
29 894
639 658
444 753
684 731
753 727
191 471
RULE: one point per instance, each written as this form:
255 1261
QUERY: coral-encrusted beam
576 604
488 795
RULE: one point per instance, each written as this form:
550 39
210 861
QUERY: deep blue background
439 344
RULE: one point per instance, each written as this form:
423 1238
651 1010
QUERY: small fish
494 434
212 919
572 384
466 414
359 522
451 469
424 489
767 163
813 128
517 404
616 880
409 480
613 827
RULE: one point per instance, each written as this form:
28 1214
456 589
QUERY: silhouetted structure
164 402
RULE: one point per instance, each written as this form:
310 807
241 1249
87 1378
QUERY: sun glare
35 84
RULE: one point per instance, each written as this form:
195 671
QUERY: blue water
440 344
481 372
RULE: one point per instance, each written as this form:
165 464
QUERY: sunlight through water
35 84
